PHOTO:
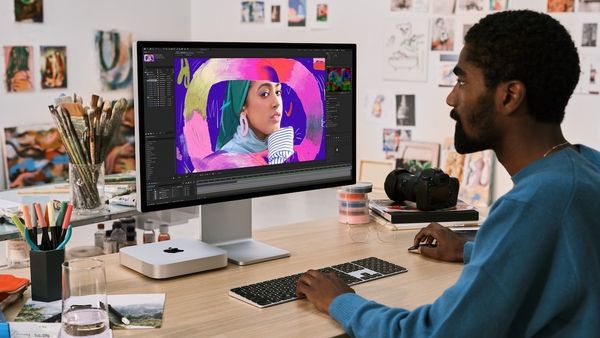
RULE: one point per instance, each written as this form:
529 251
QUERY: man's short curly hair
533 48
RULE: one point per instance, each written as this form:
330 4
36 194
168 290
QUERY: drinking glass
84 312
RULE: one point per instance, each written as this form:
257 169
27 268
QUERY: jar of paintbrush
86 131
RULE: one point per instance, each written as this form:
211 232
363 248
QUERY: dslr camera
430 189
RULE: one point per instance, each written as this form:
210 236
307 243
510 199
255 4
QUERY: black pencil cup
46 274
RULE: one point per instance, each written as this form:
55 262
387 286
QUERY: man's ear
510 96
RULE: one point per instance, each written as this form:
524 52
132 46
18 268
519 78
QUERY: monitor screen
226 121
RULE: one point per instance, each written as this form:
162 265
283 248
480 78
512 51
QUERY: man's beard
482 121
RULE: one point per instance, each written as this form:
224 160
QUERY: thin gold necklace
557 148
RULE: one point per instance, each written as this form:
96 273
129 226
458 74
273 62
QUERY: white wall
73 23
363 22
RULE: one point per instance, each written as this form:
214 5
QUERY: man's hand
436 241
321 288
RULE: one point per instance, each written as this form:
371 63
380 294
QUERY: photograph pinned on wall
405 110
296 13
380 107
470 5
476 185
443 7
588 6
446 76
589 81
498 5
18 65
253 11
29 10
392 138
442 34
114 52
560 6
416 156
34 155
53 67
452 163
319 14
339 79
405 49
589 35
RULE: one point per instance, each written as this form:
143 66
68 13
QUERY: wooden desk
199 304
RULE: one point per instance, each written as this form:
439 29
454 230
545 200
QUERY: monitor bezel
141 178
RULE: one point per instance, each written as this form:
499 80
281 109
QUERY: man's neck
528 144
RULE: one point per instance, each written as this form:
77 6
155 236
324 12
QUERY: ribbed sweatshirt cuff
343 307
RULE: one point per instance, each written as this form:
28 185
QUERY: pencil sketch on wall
405 50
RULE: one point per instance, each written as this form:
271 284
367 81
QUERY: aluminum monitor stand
228 225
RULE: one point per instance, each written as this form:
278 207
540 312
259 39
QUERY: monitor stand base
249 251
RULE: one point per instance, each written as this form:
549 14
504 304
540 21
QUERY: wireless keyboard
283 289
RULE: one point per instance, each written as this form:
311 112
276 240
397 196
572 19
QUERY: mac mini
172 258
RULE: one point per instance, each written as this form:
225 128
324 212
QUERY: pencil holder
87 187
46 274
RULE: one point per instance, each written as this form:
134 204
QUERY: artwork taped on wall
297 13
18 65
442 34
53 67
392 138
29 10
114 57
253 11
416 156
405 50
379 107
34 155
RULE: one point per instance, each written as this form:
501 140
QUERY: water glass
84 309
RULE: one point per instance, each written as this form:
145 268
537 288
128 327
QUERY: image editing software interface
225 121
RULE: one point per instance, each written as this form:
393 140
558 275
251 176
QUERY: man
534 267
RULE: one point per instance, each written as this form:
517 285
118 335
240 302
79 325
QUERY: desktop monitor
220 123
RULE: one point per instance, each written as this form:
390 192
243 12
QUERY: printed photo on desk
130 311
34 155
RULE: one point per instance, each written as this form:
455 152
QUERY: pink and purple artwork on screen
247 112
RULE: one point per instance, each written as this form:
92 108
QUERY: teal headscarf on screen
230 110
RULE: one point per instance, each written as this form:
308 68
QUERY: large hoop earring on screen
244 125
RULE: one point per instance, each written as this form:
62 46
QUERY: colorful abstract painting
34 155
114 57
29 10
53 67
18 65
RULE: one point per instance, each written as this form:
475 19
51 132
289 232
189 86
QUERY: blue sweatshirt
533 269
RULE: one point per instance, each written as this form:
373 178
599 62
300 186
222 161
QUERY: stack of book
407 212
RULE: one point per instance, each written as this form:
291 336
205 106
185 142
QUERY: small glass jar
86 183
164 233
17 253
149 236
